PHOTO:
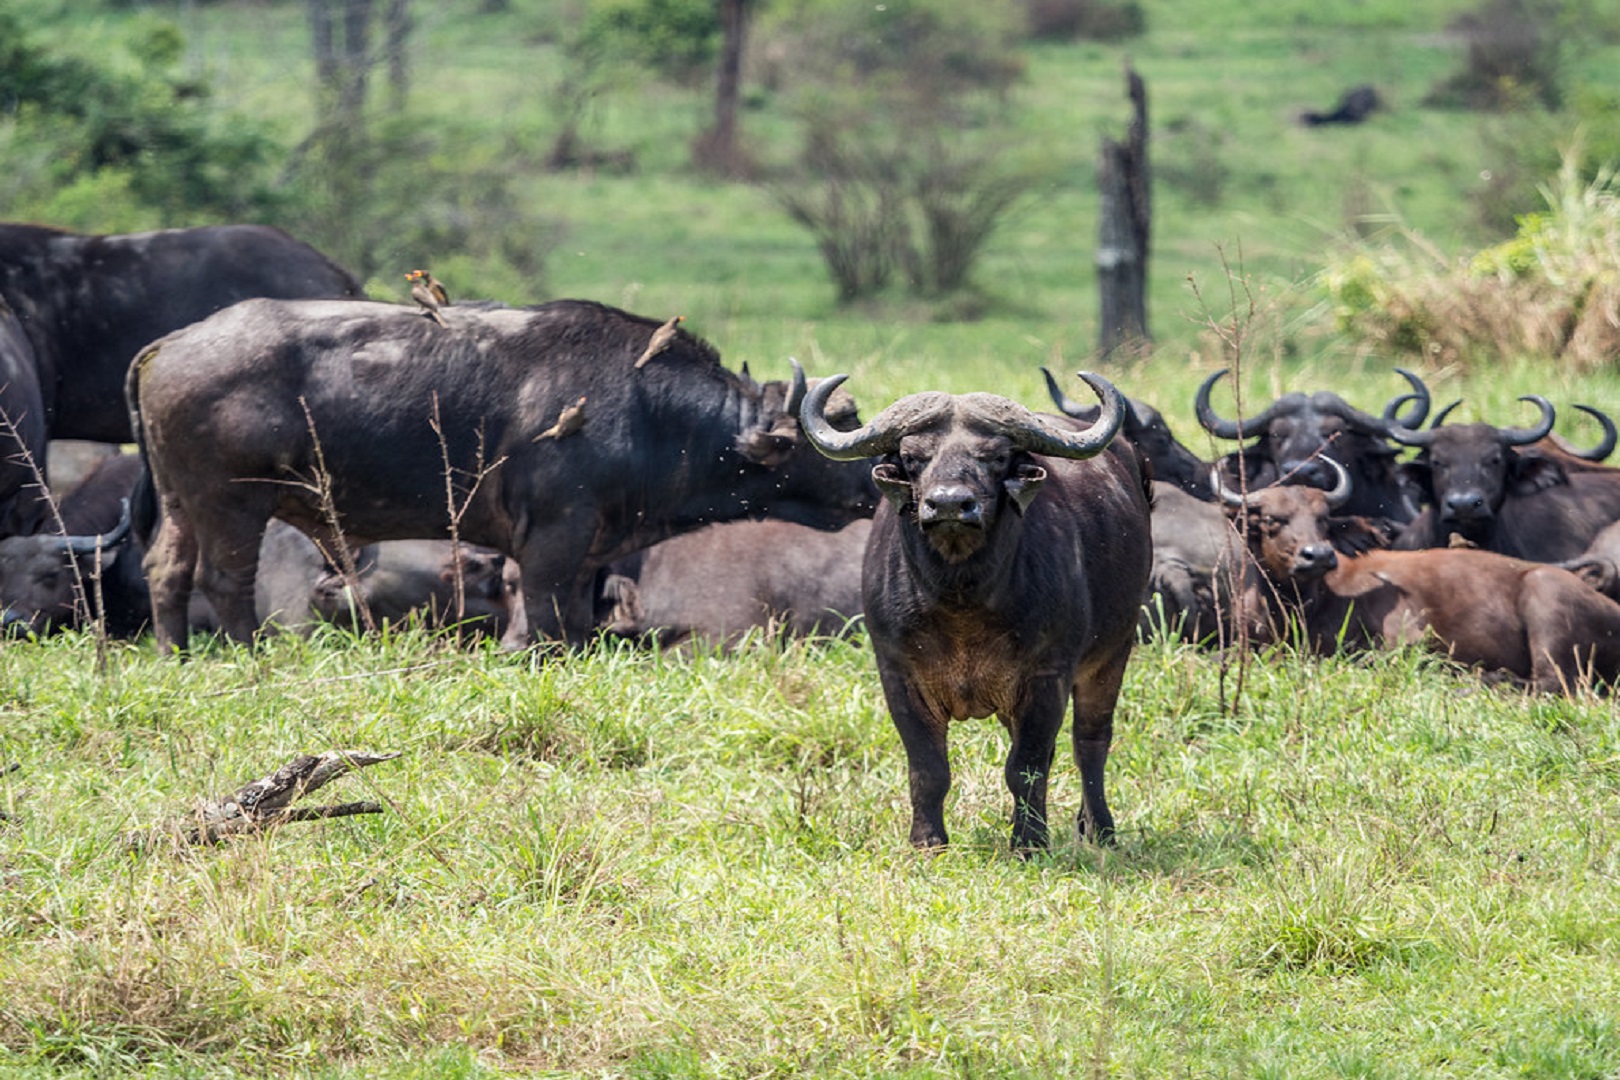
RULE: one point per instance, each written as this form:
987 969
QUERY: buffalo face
952 484
949 462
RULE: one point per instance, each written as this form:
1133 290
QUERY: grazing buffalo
720 582
1005 572
1296 430
1484 487
1533 623
1147 430
75 309
364 413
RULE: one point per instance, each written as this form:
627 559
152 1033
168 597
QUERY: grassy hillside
1242 188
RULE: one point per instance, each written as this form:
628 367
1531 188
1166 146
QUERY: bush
148 138
1084 20
1515 56
1552 291
901 174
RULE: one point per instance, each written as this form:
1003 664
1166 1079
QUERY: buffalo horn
1418 399
1340 493
89 545
1524 436
1336 498
1603 449
880 435
1035 434
795 392
1075 410
1219 426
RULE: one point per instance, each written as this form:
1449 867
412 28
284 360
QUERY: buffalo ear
1024 484
771 446
1532 471
1355 535
893 484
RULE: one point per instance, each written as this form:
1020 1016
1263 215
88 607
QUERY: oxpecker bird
660 338
426 291
570 420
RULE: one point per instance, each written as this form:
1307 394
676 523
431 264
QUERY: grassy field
613 863
621 864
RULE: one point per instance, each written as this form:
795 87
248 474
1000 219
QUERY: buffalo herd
559 471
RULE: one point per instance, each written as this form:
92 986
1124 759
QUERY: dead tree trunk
717 149
1125 217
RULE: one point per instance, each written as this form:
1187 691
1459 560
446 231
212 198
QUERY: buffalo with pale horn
1004 574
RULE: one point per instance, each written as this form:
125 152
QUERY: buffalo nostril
950 504
1471 503
1303 472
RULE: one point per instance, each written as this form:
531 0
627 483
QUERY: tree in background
384 194
101 146
902 172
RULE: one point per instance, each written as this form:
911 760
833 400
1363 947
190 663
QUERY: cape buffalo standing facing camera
1004 573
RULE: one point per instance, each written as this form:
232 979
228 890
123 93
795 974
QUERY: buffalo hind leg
171 565
1096 695
226 569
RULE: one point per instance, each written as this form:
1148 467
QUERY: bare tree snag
718 149
1124 226
266 803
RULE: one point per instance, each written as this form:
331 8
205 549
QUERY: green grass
616 863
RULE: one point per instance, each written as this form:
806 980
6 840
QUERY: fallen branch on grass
266 803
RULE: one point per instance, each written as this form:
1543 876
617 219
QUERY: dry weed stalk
479 471
1231 335
87 605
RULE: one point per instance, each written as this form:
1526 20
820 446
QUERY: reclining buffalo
1295 431
372 416
717 584
75 309
1503 490
91 574
1322 579
1004 575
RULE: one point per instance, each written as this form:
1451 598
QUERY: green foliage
1552 290
147 140
677 39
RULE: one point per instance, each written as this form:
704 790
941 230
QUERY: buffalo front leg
922 733
1096 695
1029 762
551 563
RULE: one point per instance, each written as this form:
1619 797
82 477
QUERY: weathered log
266 803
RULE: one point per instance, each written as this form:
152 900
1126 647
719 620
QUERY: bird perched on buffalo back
660 338
426 291
570 420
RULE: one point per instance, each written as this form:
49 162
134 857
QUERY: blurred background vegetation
907 185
